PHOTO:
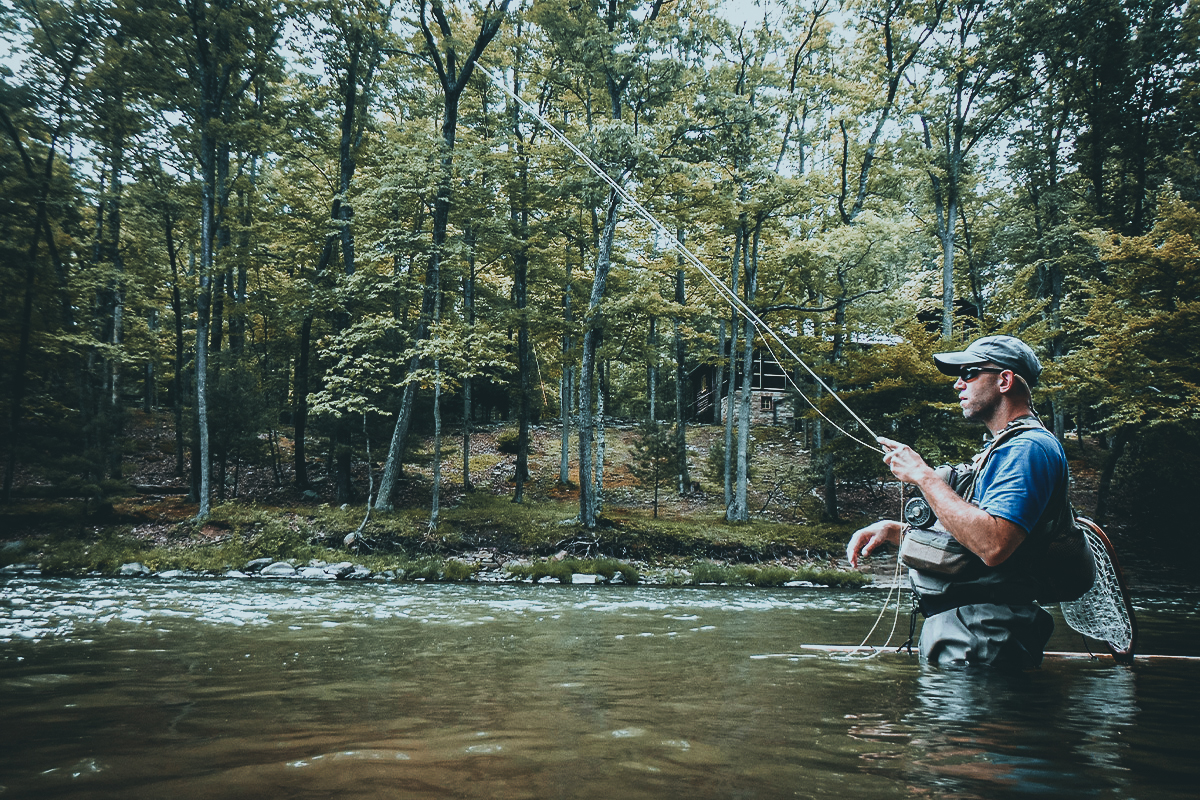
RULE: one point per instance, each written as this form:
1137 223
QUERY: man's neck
1005 413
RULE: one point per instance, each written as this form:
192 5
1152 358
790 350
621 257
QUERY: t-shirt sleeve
1019 479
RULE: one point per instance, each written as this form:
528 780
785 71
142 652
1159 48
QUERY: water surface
283 689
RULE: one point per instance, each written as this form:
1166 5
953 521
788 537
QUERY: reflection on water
283 689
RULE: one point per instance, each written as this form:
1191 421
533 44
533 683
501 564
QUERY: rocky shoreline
484 568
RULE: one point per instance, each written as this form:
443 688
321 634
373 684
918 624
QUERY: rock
580 577
171 573
309 494
359 573
134 569
18 568
257 564
235 573
280 569
340 569
617 578
12 547
795 584
316 573
317 563
548 579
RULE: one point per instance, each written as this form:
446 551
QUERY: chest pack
1053 564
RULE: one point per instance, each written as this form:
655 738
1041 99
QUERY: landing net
1105 613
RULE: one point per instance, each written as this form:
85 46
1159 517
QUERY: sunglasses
969 374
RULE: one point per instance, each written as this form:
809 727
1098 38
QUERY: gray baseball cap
1008 352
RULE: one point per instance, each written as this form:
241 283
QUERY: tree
655 457
63 38
1143 330
221 50
440 48
968 100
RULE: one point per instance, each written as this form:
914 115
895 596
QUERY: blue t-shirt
1019 479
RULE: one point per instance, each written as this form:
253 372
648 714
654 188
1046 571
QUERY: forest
333 224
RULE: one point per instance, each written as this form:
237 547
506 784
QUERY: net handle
1121 655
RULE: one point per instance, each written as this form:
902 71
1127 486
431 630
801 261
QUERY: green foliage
112 548
714 461
799 172
1143 326
655 457
899 390
773 575
507 442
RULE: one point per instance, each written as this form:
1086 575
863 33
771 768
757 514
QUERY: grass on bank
236 533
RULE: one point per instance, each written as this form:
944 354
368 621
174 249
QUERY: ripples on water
122 688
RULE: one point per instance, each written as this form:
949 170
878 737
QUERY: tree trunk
652 368
685 479
566 385
453 81
589 500
300 460
436 500
733 343
468 411
525 410
1106 476
739 510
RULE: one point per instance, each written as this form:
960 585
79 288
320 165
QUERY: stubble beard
982 413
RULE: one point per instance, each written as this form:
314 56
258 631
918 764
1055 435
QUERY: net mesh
1102 613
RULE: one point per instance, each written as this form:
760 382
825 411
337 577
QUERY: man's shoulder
1033 443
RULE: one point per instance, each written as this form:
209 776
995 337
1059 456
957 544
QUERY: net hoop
1105 613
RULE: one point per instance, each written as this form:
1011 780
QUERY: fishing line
718 285
765 332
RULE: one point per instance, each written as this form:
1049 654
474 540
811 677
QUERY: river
285 689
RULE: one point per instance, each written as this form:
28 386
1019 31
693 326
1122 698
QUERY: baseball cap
1008 352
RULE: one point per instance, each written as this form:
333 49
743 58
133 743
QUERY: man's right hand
866 541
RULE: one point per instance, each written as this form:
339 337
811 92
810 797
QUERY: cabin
772 403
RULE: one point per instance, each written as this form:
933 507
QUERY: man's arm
991 538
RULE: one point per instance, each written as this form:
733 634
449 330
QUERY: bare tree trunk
566 386
685 479
300 459
652 368
436 500
589 500
739 511
738 250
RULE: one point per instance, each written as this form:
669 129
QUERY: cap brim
950 363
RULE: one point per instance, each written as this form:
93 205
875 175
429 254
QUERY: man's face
980 395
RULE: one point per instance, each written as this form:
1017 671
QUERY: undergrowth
772 575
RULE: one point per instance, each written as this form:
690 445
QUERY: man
987 613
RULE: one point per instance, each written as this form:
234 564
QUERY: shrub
508 442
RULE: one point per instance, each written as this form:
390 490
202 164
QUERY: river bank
147 518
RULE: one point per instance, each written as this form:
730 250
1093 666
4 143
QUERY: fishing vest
1053 564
